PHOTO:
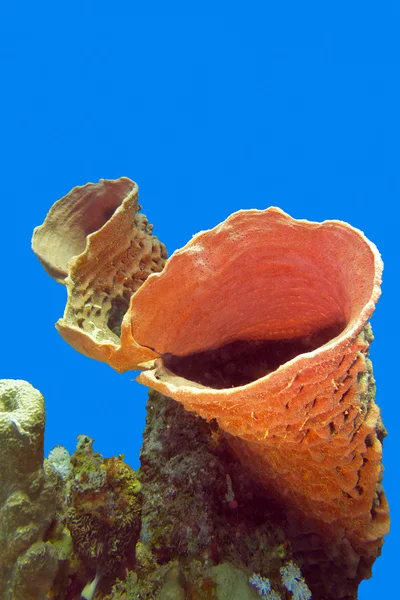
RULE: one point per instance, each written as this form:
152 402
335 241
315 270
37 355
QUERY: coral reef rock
206 525
103 509
28 564
97 523
261 324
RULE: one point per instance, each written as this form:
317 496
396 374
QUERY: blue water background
296 106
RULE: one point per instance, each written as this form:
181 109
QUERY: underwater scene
199 262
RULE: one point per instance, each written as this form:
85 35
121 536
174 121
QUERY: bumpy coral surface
103 512
206 525
28 565
95 241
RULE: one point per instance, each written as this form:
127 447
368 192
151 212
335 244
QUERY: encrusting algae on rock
282 365
170 530
62 520
103 511
195 543
102 514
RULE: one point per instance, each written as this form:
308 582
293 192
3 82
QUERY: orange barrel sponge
262 324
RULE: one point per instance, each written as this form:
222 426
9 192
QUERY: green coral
103 513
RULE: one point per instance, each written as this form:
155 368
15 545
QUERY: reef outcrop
102 514
190 524
207 527
261 324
